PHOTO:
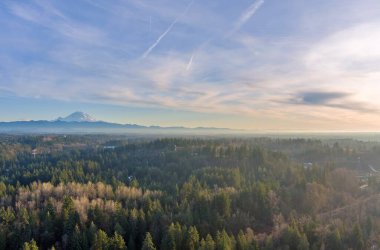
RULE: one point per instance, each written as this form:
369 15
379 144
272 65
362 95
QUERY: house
307 165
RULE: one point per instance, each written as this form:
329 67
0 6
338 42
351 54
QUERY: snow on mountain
77 117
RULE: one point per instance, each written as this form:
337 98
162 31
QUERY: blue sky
258 65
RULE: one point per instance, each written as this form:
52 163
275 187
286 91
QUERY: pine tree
101 240
357 238
32 245
131 243
368 226
210 243
169 239
202 244
269 245
334 240
119 229
254 245
75 241
3 239
179 235
117 242
148 243
141 226
223 205
70 217
303 243
242 242
91 232
223 241
132 222
192 238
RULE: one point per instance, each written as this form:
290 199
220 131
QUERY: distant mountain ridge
80 122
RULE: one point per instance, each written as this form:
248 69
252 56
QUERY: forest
120 192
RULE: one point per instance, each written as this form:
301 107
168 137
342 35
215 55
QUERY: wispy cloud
334 100
46 15
317 98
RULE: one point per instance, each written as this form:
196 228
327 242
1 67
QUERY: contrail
150 24
149 50
195 52
246 15
190 62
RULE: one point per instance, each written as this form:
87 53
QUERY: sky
262 65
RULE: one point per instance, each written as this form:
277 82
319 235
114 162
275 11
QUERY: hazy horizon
258 65
306 133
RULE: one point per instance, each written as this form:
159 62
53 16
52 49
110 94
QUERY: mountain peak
77 116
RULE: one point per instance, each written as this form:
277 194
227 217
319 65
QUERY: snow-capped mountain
77 117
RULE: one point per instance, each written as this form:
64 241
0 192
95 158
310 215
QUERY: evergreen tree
91 233
334 241
303 243
179 233
3 239
192 239
117 242
148 243
101 241
357 238
131 243
32 245
70 217
209 243
169 241
223 241
242 242
202 245
119 229
223 205
75 241
368 226
254 245
269 245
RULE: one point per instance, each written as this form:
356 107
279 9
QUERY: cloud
351 49
46 15
337 100
317 98
5 92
